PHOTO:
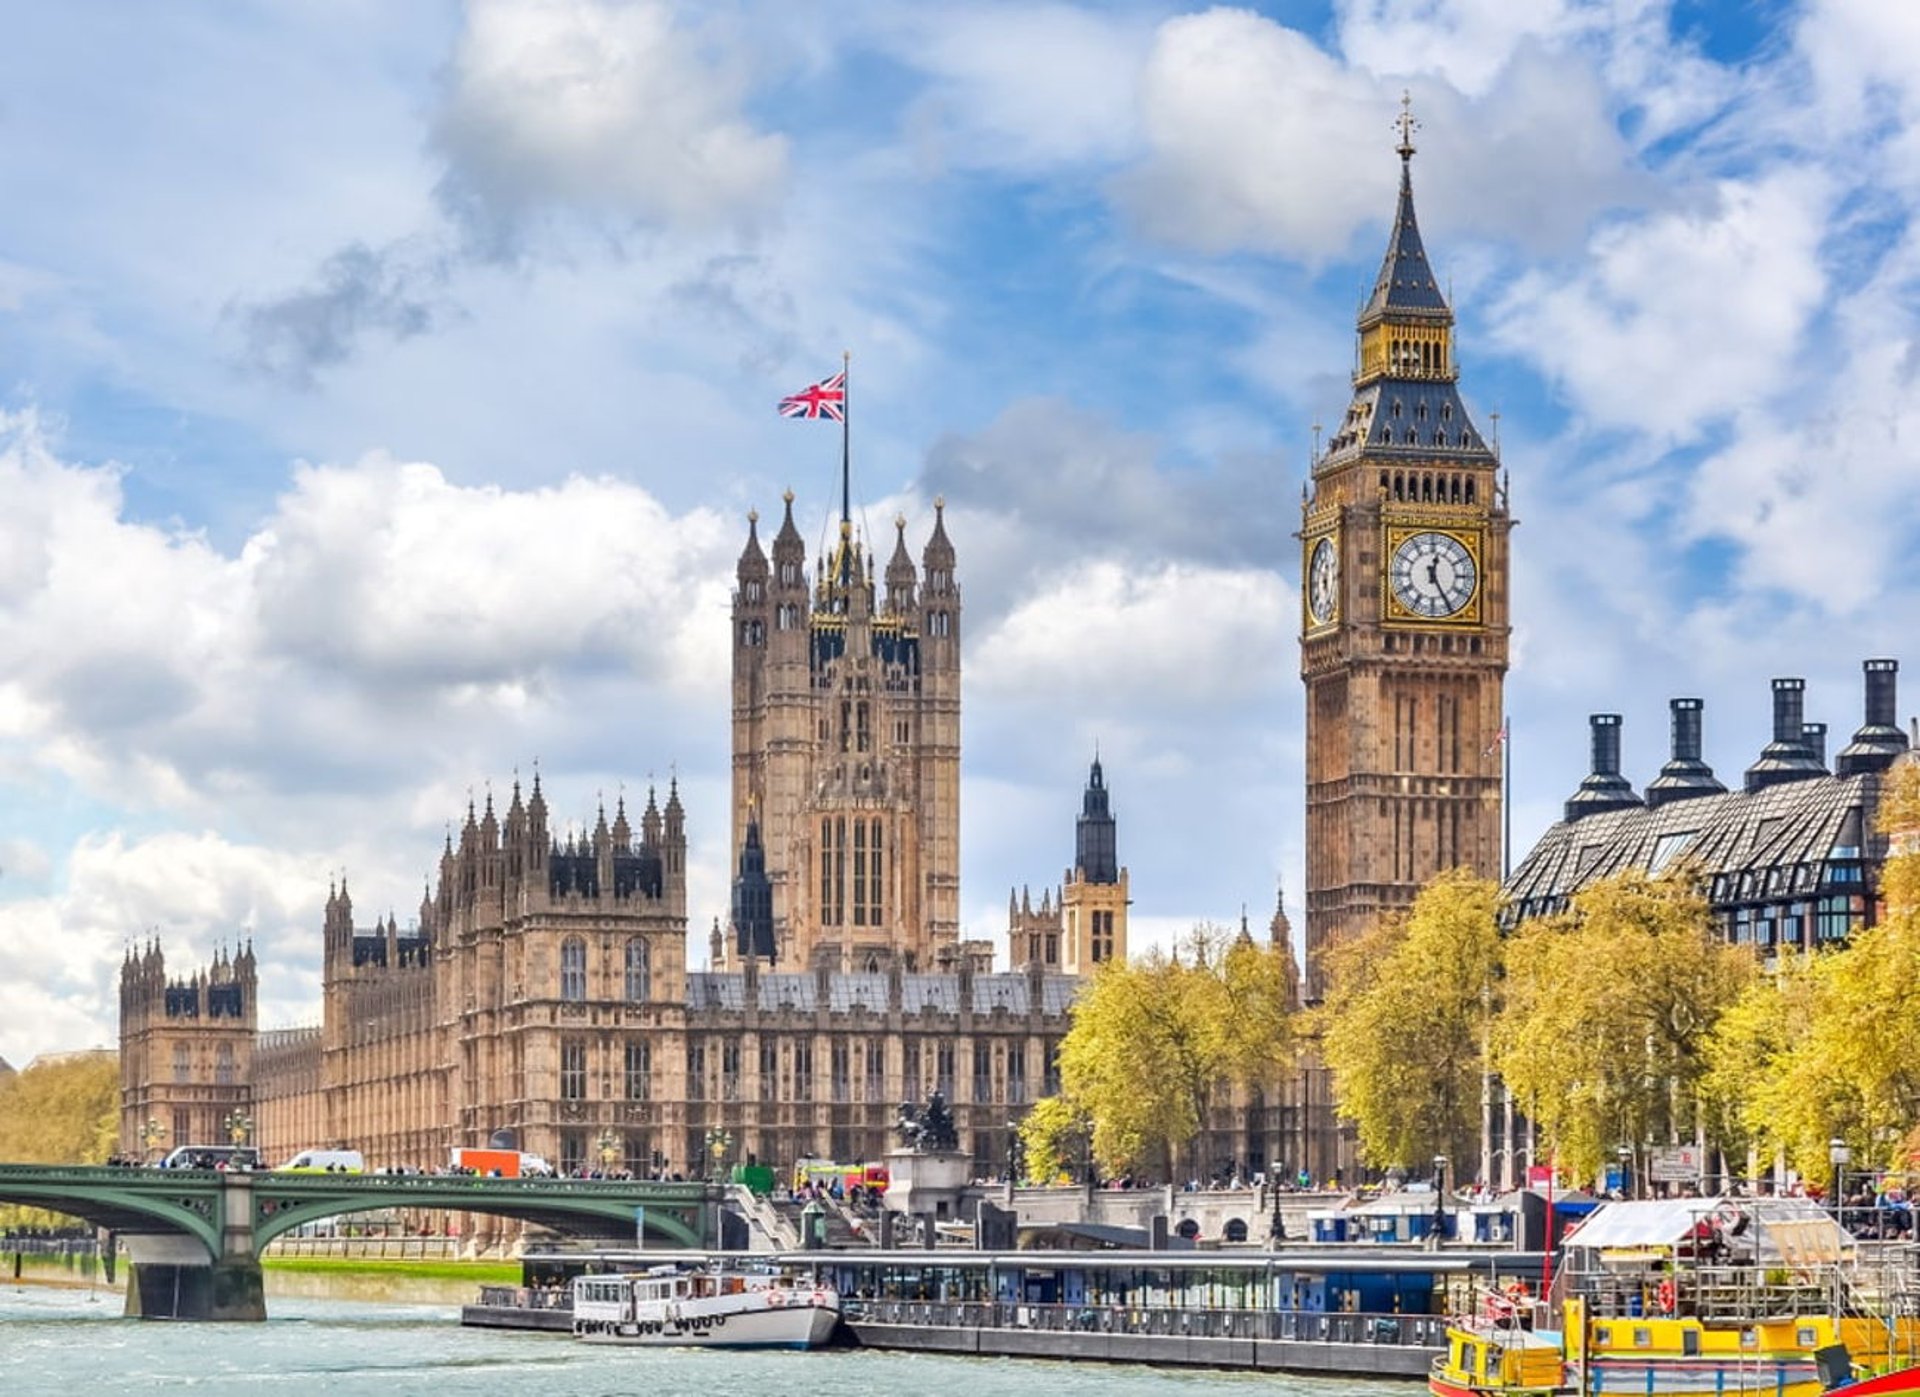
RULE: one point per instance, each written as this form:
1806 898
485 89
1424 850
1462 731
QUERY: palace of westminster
544 987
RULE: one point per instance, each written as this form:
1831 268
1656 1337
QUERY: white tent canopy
1788 1231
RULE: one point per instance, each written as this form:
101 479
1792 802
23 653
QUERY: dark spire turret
938 558
1096 853
1406 398
753 562
753 899
1406 284
900 574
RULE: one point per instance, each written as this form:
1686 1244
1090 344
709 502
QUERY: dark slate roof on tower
1406 284
1096 848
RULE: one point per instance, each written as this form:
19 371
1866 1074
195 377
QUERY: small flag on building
1499 739
827 398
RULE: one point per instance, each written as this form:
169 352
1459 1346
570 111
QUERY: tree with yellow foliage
1053 1139
58 1113
1609 1009
1154 1039
1405 1020
1825 1048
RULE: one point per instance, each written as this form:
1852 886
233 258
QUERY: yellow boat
1496 1356
1696 1296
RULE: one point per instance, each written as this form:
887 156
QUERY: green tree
1609 1010
1405 1021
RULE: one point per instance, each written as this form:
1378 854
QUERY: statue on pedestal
929 1129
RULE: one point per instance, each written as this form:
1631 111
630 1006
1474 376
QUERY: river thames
54 1340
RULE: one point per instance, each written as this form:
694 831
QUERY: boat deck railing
522 1297
1745 1293
1305 1326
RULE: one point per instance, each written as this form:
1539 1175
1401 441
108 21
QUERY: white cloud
1102 637
1257 138
60 955
1022 88
1683 317
1799 474
377 609
1464 42
611 109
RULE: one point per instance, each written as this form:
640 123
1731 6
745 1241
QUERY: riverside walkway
195 1236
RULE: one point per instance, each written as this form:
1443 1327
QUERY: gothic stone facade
544 987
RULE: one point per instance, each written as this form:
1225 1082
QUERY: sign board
1539 1176
1676 1164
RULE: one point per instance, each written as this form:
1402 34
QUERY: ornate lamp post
1279 1228
718 1143
151 1132
1625 1155
607 1147
238 1125
1440 1197
1839 1156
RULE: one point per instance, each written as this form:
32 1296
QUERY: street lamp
1839 1156
1625 1155
607 1147
718 1143
1279 1220
238 1125
150 1133
1440 1197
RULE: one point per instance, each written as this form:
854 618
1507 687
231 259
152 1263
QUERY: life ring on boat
1663 1296
776 1298
820 1298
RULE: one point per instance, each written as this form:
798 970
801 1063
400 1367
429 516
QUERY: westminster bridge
195 1236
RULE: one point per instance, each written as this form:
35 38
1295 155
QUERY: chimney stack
1879 741
1814 735
1685 775
1604 788
1787 757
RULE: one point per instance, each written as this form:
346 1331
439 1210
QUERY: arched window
573 970
639 972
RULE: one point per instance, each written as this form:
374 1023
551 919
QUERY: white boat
703 1309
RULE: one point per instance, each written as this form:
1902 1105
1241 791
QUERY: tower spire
1407 126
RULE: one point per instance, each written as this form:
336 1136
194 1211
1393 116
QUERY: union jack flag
827 398
1499 739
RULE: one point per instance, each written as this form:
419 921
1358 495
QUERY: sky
384 390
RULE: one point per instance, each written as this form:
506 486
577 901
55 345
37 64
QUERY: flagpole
846 428
1506 798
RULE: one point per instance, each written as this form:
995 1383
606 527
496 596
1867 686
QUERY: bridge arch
122 1200
275 1219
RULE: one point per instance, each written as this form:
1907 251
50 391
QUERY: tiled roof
1777 842
1406 283
930 994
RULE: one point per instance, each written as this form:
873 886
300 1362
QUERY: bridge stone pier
195 1236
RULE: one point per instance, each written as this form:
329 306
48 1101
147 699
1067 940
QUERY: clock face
1323 582
1433 575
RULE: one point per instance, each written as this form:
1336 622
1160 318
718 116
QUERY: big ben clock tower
1403 639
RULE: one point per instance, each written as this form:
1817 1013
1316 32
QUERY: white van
325 1162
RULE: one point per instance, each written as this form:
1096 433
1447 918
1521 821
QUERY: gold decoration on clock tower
1404 622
